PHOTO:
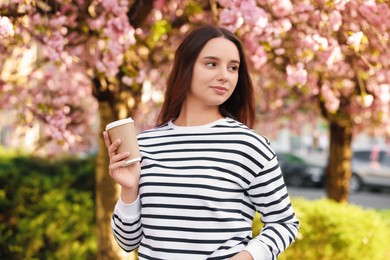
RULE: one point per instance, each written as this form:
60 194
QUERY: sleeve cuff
258 250
128 211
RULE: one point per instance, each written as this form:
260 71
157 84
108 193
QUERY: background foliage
334 231
47 208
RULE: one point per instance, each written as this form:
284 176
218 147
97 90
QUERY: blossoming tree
309 58
328 58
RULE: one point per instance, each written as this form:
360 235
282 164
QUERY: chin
216 104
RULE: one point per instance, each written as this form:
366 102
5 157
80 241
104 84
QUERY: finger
113 147
119 157
106 139
115 166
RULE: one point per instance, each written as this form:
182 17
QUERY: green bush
334 231
47 208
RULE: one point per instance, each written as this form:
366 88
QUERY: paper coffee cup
125 131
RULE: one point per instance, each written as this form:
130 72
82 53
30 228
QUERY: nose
223 75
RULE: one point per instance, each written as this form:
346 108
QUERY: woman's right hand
128 176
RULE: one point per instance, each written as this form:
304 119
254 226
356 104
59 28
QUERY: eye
233 68
211 64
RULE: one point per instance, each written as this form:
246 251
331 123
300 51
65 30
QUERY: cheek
234 81
200 74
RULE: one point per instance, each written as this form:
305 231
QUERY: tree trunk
339 164
112 104
106 194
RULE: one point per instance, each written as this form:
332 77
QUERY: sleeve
126 224
268 194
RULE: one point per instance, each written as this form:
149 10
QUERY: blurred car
298 172
370 168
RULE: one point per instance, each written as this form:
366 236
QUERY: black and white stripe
199 190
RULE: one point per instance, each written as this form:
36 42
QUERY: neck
198 116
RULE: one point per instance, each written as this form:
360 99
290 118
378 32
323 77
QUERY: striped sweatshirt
199 190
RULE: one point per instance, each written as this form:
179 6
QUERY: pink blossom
115 49
340 4
115 26
118 29
384 93
303 6
256 18
315 18
355 39
282 7
109 66
100 66
141 76
332 102
366 100
259 57
56 41
314 42
280 51
335 20
5 87
36 19
274 43
384 13
250 43
127 80
331 56
98 23
253 15
370 10
6 27
302 18
118 7
71 13
285 24
296 74
58 21
230 19
347 88
321 43
54 45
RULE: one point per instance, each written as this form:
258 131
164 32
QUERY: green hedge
47 208
333 231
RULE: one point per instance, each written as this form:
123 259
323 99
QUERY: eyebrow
216 58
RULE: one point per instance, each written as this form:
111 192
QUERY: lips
219 89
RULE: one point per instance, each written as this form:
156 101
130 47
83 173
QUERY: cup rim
119 122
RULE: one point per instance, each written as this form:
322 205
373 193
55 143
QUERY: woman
204 173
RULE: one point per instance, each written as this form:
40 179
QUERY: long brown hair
240 105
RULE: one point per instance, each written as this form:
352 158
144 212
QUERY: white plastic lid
119 122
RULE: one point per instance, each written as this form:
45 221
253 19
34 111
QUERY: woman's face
215 73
